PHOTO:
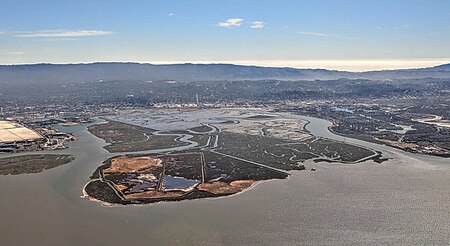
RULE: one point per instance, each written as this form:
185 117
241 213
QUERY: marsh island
170 155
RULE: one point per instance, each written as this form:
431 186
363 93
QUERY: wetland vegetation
229 156
123 137
32 163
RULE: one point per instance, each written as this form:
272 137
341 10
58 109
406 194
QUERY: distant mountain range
69 73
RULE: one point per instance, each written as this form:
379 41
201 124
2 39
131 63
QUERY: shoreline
85 195
193 194
380 142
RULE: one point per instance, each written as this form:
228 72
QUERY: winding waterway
404 201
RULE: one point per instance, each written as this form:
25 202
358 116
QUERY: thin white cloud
321 34
171 14
11 53
230 23
63 34
258 25
54 39
405 26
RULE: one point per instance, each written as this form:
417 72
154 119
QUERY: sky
337 34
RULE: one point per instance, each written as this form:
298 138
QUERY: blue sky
282 33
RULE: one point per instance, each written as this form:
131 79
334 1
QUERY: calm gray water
404 201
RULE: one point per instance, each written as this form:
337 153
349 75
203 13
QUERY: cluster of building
18 137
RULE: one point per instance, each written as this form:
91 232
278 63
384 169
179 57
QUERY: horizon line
364 65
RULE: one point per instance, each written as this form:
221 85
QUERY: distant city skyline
343 35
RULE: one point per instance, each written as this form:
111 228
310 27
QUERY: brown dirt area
132 164
154 194
219 187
